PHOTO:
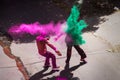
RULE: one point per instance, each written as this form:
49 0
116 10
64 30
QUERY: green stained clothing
75 27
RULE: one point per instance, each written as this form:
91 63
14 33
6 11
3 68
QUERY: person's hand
58 52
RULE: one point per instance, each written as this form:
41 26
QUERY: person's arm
54 48
58 36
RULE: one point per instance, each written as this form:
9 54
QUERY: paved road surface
103 63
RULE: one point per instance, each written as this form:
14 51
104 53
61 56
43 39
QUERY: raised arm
58 36
54 48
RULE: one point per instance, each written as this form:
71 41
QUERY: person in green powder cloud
74 32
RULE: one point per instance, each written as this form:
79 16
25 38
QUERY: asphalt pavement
103 57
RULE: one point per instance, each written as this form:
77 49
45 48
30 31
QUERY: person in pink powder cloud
42 42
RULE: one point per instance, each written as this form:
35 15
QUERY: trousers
49 55
79 50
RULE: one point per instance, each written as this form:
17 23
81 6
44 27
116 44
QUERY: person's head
45 35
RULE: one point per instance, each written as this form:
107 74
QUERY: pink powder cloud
36 29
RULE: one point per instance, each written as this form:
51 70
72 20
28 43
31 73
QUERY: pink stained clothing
42 49
41 45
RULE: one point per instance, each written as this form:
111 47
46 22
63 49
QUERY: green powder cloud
75 27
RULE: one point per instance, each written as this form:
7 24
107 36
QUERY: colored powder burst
75 27
34 29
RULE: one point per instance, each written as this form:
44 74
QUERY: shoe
46 66
56 68
83 60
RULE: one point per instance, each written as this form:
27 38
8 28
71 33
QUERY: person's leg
47 62
52 56
69 49
80 51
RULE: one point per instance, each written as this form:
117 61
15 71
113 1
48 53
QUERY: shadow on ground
65 74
